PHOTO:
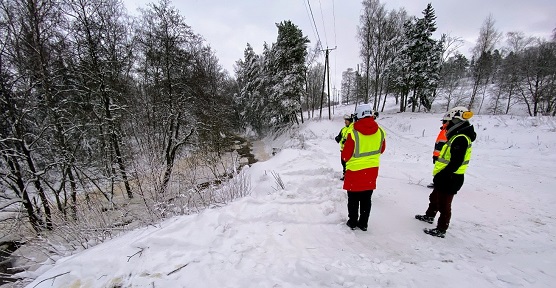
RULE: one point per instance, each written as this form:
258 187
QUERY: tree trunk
509 100
476 85
413 100
384 101
306 99
15 169
38 185
402 101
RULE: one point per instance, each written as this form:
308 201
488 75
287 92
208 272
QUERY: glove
344 141
337 138
434 158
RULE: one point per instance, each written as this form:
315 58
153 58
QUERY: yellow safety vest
344 133
366 153
446 155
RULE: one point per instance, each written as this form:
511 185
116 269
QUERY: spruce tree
289 72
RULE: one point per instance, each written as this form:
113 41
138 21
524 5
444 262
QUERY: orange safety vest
440 141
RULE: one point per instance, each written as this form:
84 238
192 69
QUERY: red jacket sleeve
348 148
383 146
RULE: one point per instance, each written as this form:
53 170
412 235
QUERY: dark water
6 249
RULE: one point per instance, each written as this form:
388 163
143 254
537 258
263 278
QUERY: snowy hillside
502 232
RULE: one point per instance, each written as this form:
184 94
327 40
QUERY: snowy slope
501 234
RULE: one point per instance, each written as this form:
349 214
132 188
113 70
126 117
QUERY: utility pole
357 87
334 99
327 71
322 91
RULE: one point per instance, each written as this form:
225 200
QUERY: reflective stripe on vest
366 153
446 155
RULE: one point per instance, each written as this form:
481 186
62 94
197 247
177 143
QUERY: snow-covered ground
502 232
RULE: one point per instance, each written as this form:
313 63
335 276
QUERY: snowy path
501 235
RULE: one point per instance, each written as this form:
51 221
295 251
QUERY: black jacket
446 180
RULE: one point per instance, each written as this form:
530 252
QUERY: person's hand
434 158
337 138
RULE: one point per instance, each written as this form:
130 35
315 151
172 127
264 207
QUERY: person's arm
338 138
348 148
440 141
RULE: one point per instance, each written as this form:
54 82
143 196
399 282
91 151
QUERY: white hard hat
460 113
365 110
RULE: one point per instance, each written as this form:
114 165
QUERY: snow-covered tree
288 72
426 56
416 68
349 86
315 75
482 52
376 33
452 75
167 47
251 100
538 72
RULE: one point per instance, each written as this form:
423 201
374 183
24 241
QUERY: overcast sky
228 26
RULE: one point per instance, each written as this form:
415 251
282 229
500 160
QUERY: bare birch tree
488 38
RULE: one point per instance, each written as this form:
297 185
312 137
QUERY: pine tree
416 69
427 55
251 99
289 72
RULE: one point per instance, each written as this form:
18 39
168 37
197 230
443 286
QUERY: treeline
92 99
400 58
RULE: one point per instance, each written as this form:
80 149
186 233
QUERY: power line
313 17
310 22
323 26
334 21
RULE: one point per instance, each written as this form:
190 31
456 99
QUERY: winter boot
435 232
363 228
425 218
351 225
431 186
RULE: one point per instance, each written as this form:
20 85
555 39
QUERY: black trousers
343 166
359 208
440 201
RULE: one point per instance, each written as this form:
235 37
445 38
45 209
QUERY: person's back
365 143
365 130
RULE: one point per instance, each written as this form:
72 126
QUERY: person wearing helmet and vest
341 138
365 142
440 141
449 169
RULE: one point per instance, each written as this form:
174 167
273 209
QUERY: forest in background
400 58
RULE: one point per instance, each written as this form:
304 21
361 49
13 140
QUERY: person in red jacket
364 145
440 141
